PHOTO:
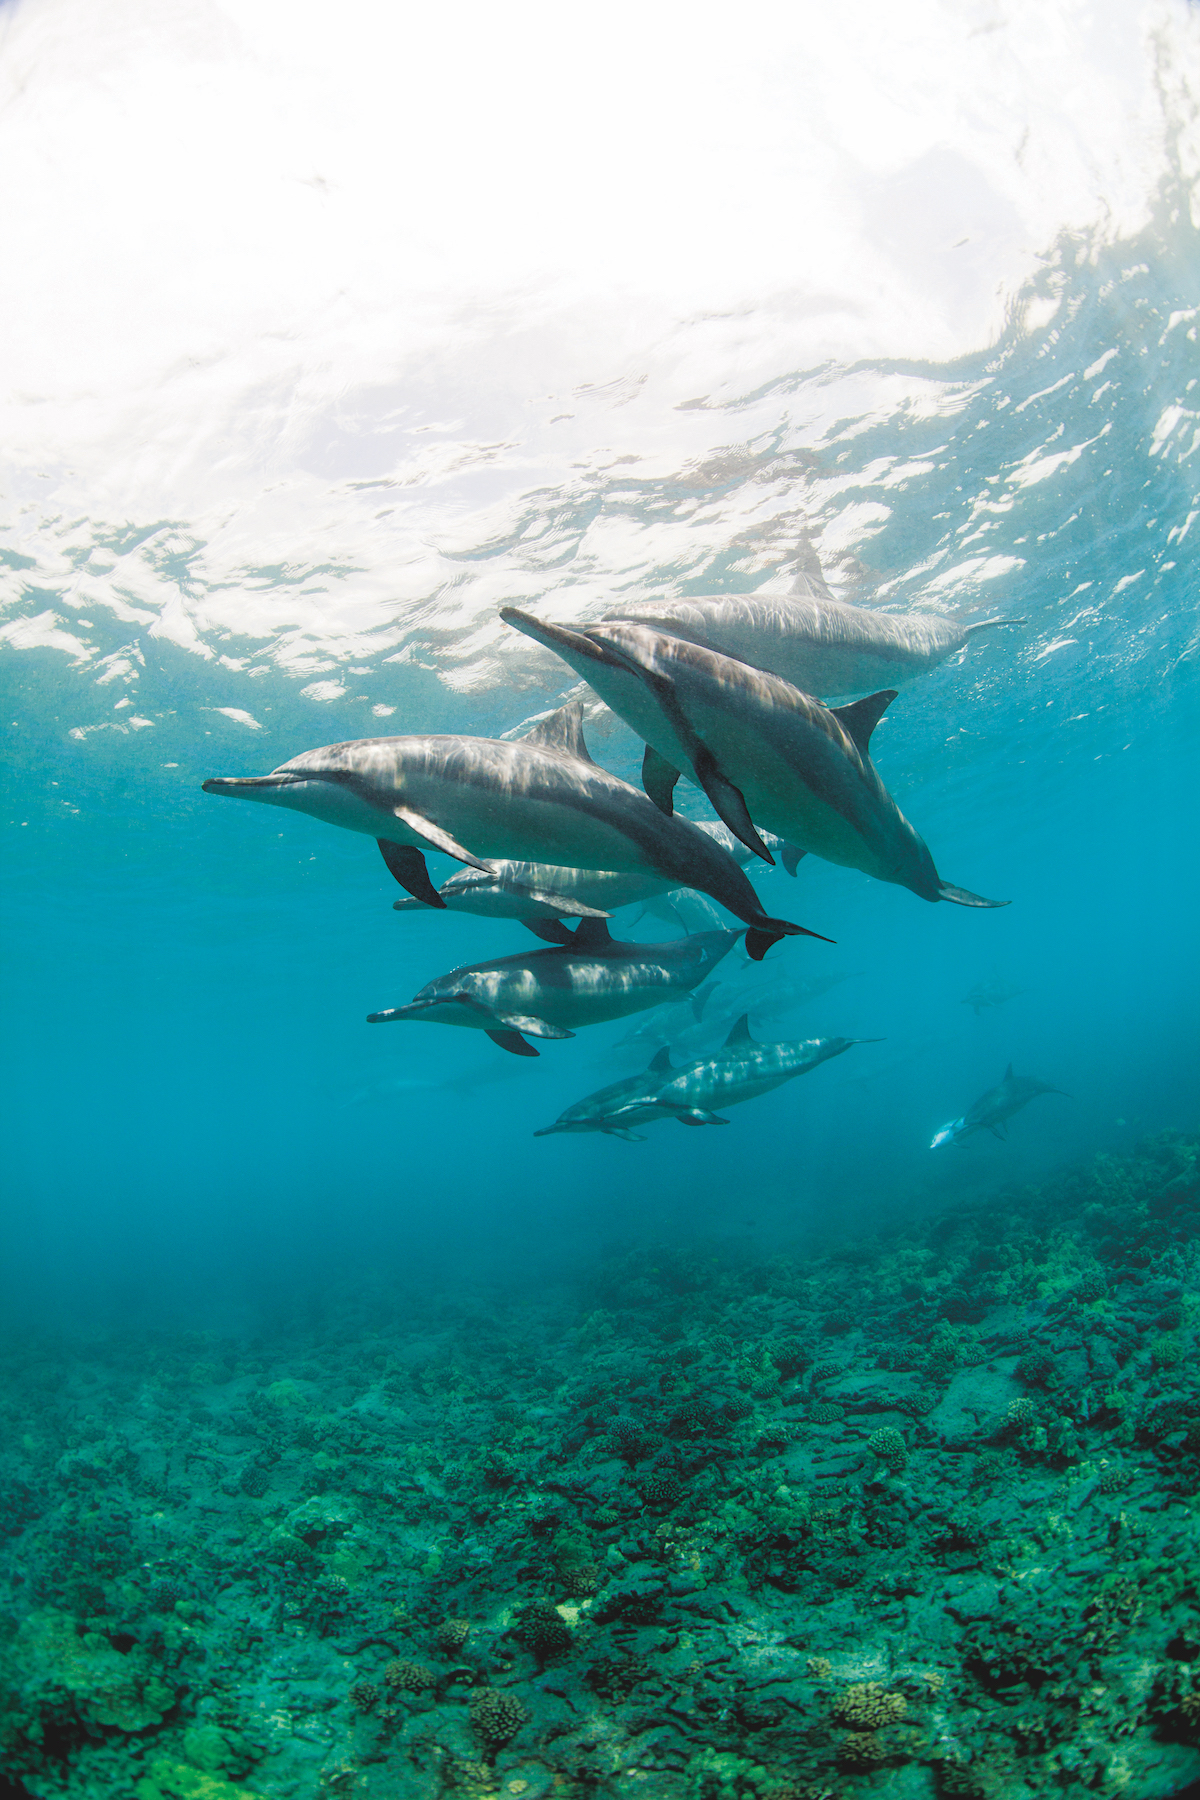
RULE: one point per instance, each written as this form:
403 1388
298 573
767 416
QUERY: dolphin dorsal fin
1008 1074
740 1033
591 934
660 1062
562 730
861 717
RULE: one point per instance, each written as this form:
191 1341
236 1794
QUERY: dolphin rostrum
632 1098
992 1111
763 752
541 798
541 895
544 993
821 645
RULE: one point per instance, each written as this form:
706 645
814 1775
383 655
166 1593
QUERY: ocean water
303 1325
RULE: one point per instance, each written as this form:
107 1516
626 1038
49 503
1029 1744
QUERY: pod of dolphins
723 692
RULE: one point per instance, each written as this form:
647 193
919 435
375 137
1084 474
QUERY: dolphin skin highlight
548 993
541 798
763 752
741 1069
821 645
992 1111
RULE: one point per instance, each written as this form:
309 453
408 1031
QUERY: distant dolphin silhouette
541 798
545 993
762 751
992 1111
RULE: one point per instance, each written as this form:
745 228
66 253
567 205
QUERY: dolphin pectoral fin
436 838
728 802
407 864
621 1131
539 1028
515 1044
659 778
789 856
411 905
551 931
986 625
1001 1132
964 897
696 1115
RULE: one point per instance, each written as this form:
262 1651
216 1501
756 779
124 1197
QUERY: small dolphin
741 1070
633 1098
541 798
992 1111
545 992
991 993
761 750
821 645
541 895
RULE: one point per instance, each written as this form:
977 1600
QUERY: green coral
168 1778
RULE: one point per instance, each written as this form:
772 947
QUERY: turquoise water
194 1103
356 1439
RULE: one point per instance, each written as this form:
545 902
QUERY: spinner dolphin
763 752
548 993
541 798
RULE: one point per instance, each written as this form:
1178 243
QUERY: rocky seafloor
916 1517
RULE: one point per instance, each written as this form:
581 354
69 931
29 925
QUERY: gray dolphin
992 1111
546 992
541 798
760 749
991 993
541 895
741 1069
633 1098
821 645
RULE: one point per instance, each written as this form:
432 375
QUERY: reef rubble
911 1517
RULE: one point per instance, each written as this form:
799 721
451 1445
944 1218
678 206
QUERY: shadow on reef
914 1516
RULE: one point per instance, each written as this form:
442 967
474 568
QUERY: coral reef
913 1515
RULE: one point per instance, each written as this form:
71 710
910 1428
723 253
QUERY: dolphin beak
249 787
555 637
549 1130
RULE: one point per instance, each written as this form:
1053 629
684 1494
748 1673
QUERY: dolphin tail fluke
407 865
789 856
964 897
759 938
516 1044
551 931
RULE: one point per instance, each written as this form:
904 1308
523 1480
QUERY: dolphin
541 895
991 993
543 993
741 1070
761 750
821 645
633 1098
720 1003
992 1111
540 798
